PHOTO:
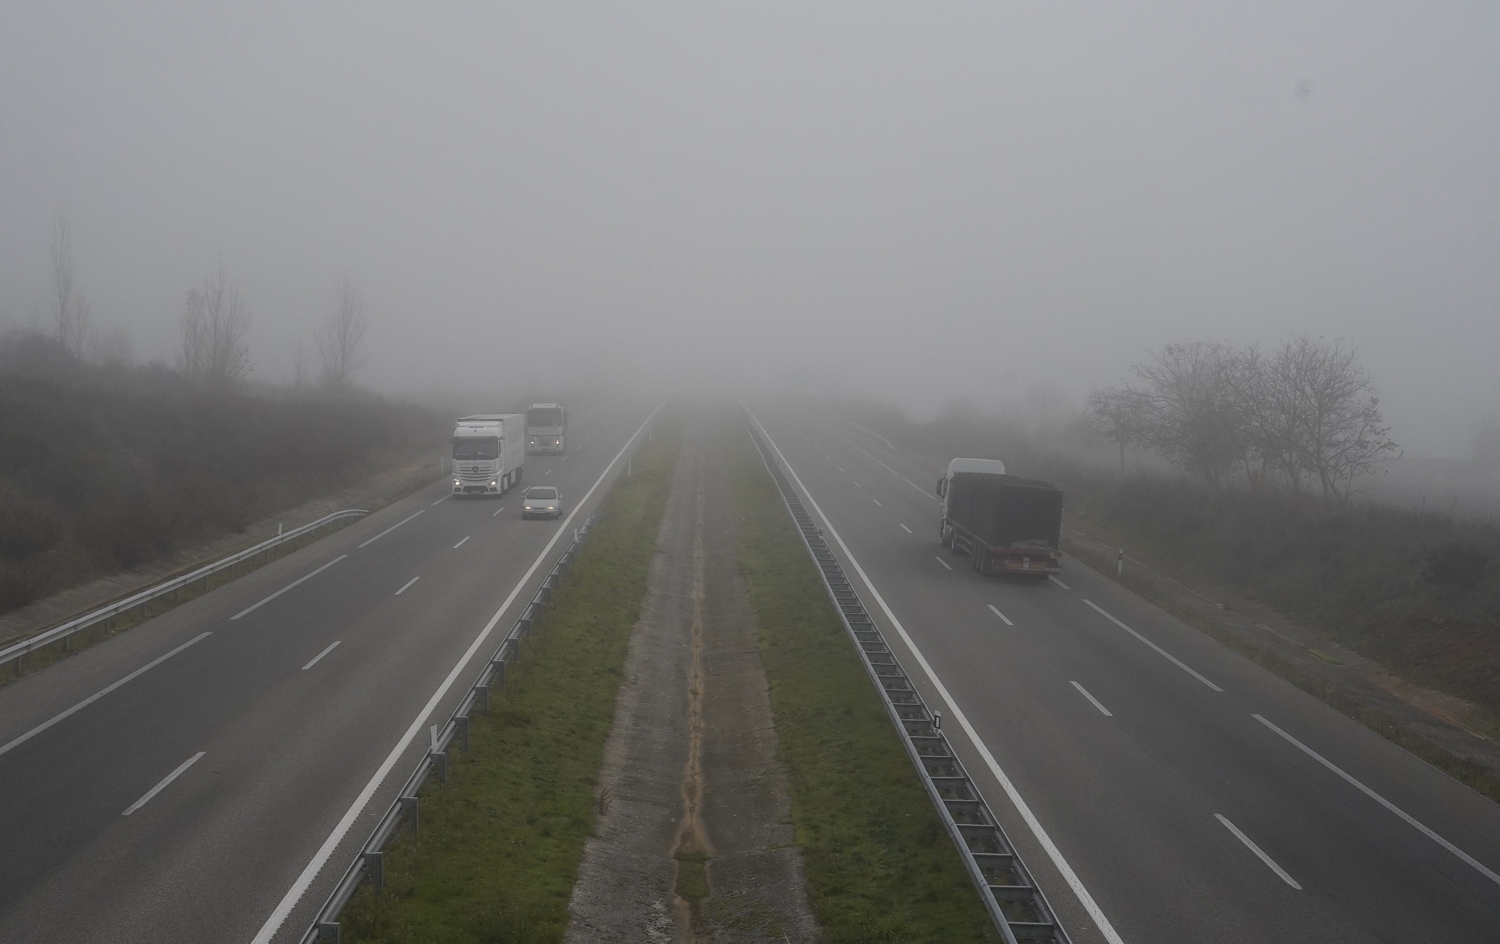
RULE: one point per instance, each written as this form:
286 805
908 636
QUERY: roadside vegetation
497 853
104 466
879 865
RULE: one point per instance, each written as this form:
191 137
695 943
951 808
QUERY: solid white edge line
943 562
163 785
1058 582
461 543
390 529
1092 700
906 529
289 586
1411 820
1053 853
997 612
1270 863
98 695
405 585
321 655
325 851
1160 651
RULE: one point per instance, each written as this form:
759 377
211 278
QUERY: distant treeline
105 466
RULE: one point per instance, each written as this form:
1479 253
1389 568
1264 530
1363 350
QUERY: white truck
488 453
546 428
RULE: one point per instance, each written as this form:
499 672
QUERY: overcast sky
918 202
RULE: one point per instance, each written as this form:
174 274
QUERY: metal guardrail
173 586
1015 904
369 863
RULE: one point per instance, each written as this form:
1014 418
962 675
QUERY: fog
1003 202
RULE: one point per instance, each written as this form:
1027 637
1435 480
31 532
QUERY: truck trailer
546 428
488 453
1005 523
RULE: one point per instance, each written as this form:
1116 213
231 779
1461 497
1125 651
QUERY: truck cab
487 453
546 428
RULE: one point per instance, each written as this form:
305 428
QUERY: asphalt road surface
1187 795
240 732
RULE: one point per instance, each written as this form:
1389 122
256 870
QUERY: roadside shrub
1460 563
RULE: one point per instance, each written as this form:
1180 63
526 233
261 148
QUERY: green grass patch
497 854
880 866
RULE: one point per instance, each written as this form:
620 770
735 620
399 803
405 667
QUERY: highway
1186 794
249 736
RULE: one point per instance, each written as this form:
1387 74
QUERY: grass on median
880 866
499 845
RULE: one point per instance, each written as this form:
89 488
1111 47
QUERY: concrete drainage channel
1016 905
369 863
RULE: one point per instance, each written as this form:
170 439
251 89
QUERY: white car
541 501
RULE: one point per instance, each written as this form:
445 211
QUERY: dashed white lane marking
877 501
856 483
407 584
548 472
1101 921
323 653
320 858
943 562
1478 866
839 467
1169 657
996 612
288 587
1058 582
497 511
391 528
1092 700
1260 853
460 543
16 742
443 499
163 785
909 531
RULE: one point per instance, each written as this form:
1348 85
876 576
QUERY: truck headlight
456 483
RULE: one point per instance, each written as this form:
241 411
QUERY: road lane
285 750
1132 801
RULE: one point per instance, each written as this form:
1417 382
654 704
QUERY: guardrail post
482 697
328 931
375 869
498 676
440 765
523 625
409 808
461 722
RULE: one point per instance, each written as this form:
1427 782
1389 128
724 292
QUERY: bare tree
70 309
1341 433
342 343
1121 416
215 332
1189 408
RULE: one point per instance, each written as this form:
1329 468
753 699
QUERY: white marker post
1120 563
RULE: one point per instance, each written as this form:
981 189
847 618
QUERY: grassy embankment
879 865
498 850
105 467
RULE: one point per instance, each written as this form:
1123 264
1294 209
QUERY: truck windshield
544 419
467 448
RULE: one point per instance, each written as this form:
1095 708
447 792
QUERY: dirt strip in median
694 840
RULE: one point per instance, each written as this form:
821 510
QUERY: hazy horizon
916 204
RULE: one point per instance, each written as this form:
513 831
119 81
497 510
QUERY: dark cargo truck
1006 524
